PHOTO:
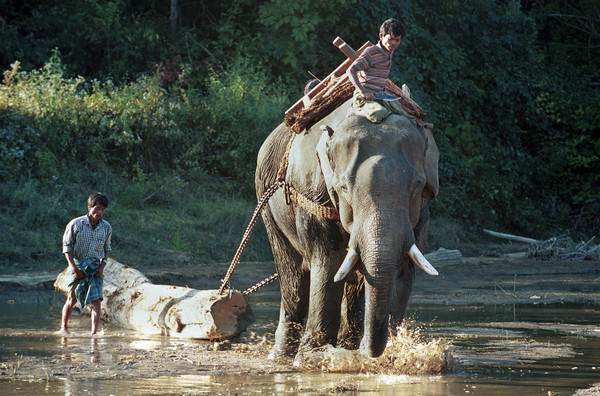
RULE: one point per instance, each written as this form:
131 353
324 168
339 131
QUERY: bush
240 110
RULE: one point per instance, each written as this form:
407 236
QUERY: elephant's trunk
376 320
381 249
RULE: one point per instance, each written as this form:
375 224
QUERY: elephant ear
432 157
323 158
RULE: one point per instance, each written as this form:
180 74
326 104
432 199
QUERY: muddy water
502 349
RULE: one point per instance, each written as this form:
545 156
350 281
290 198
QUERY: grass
162 221
158 220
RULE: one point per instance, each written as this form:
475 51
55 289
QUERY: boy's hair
393 27
97 199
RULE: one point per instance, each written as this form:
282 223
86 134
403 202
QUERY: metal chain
236 258
261 284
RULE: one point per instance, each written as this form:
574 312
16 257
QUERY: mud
475 282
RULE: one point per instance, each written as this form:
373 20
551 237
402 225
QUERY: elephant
343 277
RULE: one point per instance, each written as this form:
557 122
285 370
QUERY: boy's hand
100 271
78 273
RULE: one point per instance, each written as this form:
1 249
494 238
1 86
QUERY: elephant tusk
415 254
347 264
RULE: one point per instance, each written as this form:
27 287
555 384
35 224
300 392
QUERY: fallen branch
511 237
564 248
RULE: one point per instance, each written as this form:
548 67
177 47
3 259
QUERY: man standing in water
86 246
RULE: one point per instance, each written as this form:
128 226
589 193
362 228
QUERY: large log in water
133 302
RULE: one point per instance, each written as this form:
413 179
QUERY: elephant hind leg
351 319
402 288
287 336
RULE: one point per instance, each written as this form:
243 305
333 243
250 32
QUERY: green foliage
289 37
85 121
512 88
164 220
98 38
240 111
138 127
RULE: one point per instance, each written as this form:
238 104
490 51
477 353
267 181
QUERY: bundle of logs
556 248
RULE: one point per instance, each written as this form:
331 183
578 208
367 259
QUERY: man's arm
103 261
78 273
352 73
107 250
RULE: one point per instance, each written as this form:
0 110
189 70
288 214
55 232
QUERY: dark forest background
163 105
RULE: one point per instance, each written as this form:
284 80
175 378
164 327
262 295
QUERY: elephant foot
313 340
349 336
286 341
349 343
281 351
300 360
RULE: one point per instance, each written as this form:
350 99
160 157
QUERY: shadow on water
543 349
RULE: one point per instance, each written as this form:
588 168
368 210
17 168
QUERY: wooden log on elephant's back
131 301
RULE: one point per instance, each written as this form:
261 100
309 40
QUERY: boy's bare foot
98 333
62 332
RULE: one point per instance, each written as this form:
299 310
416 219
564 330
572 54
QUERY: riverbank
477 280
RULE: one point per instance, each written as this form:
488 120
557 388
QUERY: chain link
261 284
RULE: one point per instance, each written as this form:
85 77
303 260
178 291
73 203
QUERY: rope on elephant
327 212
291 194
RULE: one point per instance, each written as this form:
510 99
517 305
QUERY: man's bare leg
96 307
67 310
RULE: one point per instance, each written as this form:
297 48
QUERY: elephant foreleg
323 321
294 284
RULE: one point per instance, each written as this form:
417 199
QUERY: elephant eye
344 191
419 183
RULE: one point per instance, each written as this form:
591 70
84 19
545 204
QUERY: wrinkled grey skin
380 177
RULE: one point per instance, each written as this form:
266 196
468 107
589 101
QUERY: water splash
407 352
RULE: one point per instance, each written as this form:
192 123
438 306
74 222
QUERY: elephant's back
269 158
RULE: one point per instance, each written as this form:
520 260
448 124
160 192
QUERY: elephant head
380 177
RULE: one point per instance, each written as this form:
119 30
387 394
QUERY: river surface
496 349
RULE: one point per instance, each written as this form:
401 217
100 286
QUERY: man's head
97 199
390 34
392 26
97 204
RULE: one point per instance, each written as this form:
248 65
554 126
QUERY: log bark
131 301
443 257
